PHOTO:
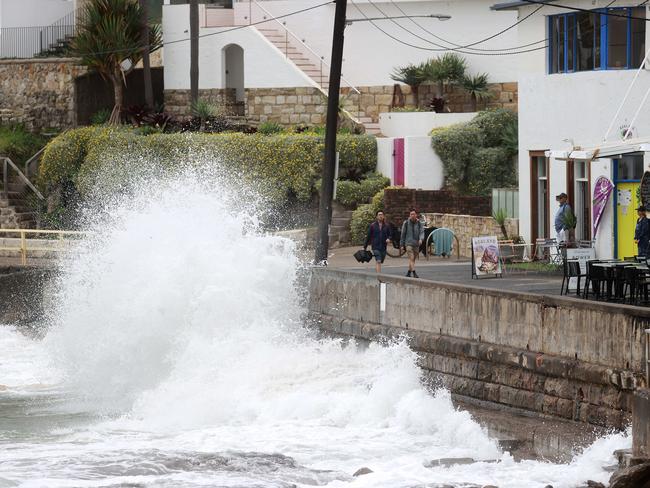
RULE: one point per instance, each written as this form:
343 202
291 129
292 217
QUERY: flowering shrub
352 193
276 165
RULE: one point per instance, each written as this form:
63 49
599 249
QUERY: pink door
398 162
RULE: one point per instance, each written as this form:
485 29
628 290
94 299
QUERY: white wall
28 13
402 124
423 168
264 65
560 111
370 55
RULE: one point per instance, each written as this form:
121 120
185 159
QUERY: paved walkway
452 271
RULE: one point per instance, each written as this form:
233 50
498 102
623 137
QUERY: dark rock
510 445
449 462
490 486
362 471
548 486
634 477
595 484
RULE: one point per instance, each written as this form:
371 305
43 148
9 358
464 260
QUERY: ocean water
175 356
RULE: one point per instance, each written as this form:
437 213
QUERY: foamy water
177 358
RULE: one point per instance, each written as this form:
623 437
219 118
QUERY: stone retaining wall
467 226
39 93
179 102
286 106
553 355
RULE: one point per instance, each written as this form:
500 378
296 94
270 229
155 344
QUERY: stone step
344 236
340 222
342 214
25 216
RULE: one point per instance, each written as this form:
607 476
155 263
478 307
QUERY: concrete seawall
552 355
22 294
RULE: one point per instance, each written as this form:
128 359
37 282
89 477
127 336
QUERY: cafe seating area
612 280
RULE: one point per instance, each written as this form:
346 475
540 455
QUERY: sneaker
408 275
415 275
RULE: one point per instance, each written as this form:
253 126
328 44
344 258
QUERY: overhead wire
415 46
470 46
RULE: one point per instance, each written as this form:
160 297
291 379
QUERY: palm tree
477 87
448 68
411 75
109 36
146 64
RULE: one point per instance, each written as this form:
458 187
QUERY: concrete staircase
339 231
15 212
297 54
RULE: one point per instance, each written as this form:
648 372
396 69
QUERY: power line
437 50
239 27
459 46
578 9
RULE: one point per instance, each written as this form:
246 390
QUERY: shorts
413 252
379 255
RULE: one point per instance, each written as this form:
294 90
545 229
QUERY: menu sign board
485 256
582 255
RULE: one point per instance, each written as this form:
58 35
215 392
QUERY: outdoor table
611 279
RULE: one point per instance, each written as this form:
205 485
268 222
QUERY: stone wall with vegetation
39 93
178 102
467 226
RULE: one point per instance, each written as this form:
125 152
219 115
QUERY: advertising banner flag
602 190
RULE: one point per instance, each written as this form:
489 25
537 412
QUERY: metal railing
29 42
290 34
6 165
25 246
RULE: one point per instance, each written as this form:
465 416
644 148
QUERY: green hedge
18 144
277 165
363 216
352 193
479 155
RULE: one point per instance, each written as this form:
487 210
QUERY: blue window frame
586 41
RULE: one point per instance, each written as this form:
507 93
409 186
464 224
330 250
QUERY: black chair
594 279
631 283
571 270
619 275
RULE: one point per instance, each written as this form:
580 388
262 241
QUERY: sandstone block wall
179 102
39 93
467 226
286 106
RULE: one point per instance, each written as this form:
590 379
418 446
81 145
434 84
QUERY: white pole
627 94
636 114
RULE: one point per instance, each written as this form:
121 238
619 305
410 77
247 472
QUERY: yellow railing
25 246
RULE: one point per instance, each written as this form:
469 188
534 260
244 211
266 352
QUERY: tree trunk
416 89
146 64
474 102
441 89
118 89
194 51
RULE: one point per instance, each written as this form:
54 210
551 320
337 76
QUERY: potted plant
569 221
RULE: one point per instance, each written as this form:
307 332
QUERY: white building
28 27
289 58
569 96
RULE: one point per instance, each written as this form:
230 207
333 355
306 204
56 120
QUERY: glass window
585 33
580 168
637 36
617 40
541 167
630 167
575 40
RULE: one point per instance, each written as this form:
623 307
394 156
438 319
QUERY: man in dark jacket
379 235
642 232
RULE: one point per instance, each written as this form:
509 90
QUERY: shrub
479 155
268 128
276 165
18 144
352 193
363 216
101 117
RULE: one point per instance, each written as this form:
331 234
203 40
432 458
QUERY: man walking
563 211
379 235
411 239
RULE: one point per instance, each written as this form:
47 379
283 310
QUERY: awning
515 5
604 151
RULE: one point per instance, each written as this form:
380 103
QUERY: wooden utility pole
194 51
146 63
329 162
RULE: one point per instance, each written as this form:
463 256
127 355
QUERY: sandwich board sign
582 255
486 259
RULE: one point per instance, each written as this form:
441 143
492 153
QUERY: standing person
563 210
411 239
379 235
642 232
